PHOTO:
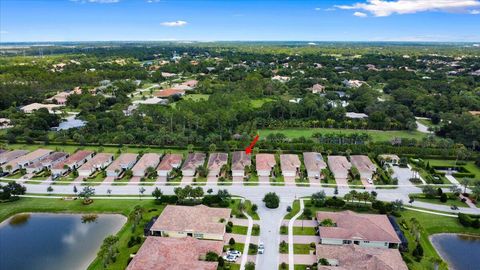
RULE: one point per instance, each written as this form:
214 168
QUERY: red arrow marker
248 150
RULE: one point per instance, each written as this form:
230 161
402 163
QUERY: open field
377 135
470 165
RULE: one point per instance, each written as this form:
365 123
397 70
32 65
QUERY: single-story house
290 165
359 258
73 162
30 108
169 93
8 156
145 162
5 123
47 162
122 163
314 164
201 222
367 230
168 163
365 166
317 88
354 115
240 159
25 160
215 163
98 162
339 166
389 159
264 164
164 253
193 161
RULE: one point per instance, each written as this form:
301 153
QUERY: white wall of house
264 172
289 173
313 173
188 172
238 173
163 173
86 172
198 235
363 243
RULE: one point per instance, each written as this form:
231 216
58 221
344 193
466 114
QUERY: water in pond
54 241
461 252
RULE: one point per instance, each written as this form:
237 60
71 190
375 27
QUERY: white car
234 253
369 180
230 258
261 248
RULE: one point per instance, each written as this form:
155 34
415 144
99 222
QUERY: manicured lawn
236 229
451 201
296 267
234 205
123 207
199 181
304 231
377 135
302 183
237 246
277 181
302 249
470 165
252 180
355 184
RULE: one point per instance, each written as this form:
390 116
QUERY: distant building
314 164
146 161
168 163
193 161
317 88
240 160
290 165
30 108
98 162
389 159
265 164
5 123
149 101
169 93
354 115
282 79
122 163
353 83
215 163
365 166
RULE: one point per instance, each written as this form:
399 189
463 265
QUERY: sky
240 20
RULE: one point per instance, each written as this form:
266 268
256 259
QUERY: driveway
403 175
341 182
289 180
302 239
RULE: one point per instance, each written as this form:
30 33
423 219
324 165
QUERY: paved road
421 127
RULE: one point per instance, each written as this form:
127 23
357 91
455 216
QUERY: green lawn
236 229
377 135
252 180
296 267
451 201
123 207
298 249
304 231
277 181
234 205
257 103
470 165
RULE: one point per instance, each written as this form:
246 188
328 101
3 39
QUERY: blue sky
324 20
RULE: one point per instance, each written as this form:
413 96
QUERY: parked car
369 180
234 253
454 207
230 258
261 248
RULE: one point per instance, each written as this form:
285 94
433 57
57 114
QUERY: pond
461 252
54 241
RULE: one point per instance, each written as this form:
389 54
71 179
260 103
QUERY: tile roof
166 253
363 163
240 159
48 159
169 92
98 159
289 162
313 161
146 161
122 161
265 162
32 156
169 161
74 158
360 258
11 155
198 218
353 226
338 164
193 161
217 160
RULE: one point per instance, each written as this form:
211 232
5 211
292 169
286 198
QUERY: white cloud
96 1
153 1
317 9
359 14
3 32
381 8
174 24
475 11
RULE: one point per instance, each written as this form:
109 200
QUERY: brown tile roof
363 163
313 161
200 218
48 159
265 162
32 156
122 161
98 159
146 161
217 160
11 155
240 159
165 253
73 159
361 258
353 226
193 161
169 92
338 164
170 161
289 162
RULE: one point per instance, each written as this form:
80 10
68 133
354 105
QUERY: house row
73 162
22 161
181 237
349 240
340 166
46 162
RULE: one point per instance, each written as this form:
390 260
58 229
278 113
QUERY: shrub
231 242
335 202
443 197
418 252
464 219
211 257
271 200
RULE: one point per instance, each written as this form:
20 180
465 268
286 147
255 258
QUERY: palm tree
465 182
212 147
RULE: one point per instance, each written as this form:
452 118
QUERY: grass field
377 135
470 165
257 103
421 198
304 231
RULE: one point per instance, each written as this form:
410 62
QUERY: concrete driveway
403 175
302 239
